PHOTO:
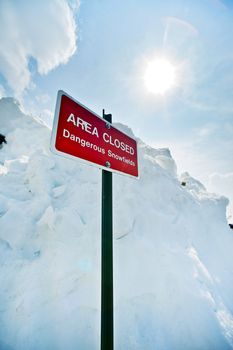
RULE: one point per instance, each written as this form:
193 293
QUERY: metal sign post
107 335
80 133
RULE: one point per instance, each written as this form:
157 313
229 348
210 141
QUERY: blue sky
97 51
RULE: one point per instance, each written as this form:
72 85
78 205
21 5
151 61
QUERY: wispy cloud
43 98
206 130
213 91
2 91
42 30
223 184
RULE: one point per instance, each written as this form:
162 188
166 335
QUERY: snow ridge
172 251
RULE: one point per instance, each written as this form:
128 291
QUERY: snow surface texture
172 251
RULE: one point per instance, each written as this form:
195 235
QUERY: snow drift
173 265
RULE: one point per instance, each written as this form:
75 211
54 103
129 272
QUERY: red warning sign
80 133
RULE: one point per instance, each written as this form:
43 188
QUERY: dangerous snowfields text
106 137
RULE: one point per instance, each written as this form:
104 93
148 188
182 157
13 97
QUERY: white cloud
44 30
43 98
223 184
47 117
2 91
206 130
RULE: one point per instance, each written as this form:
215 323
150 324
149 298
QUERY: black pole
107 342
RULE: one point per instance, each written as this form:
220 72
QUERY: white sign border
53 149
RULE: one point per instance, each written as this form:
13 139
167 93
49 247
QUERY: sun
159 76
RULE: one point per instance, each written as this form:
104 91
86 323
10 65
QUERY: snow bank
172 251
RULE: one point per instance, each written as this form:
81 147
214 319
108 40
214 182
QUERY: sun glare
159 76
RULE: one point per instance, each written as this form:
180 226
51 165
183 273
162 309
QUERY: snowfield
173 251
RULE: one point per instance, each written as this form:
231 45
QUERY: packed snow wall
173 264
